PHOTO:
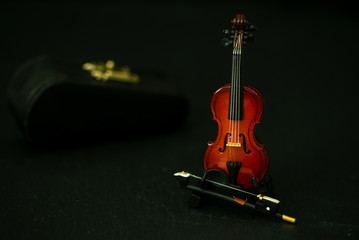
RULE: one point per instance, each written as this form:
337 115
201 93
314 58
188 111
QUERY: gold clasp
106 71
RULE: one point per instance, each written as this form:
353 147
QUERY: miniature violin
237 108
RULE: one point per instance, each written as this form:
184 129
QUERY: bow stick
258 202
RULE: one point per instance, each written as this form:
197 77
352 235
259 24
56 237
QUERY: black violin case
57 102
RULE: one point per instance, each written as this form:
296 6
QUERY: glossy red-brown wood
254 164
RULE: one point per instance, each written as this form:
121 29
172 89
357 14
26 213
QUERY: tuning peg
227 31
226 42
251 28
249 37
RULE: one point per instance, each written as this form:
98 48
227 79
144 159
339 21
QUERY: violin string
239 98
234 102
240 84
235 114
239 88
231 107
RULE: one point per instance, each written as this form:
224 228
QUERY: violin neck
235 104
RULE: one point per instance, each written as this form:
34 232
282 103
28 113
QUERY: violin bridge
230 144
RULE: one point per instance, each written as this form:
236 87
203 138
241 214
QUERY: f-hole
225 142
244 144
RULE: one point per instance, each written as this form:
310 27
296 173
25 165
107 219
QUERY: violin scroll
239 22
239 33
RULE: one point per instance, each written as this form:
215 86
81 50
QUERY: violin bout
236 150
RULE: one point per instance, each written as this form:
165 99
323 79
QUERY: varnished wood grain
253 164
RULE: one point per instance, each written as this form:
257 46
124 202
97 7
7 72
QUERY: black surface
305 63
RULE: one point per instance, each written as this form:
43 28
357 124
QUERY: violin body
248 152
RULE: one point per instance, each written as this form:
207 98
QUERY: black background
304 61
